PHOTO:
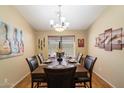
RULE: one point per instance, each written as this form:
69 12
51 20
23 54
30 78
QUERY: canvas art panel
11 41
97 42
5 48
102 40
123 39
108 42
117 39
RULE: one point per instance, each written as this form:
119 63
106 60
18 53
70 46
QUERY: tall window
68 44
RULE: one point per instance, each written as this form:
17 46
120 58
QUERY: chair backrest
32 62
60 78
89 62
40 57
79 57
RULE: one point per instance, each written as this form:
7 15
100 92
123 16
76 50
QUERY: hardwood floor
97 83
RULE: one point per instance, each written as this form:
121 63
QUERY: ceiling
80 17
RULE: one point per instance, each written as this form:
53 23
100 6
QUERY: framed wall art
108 42
38 44
117 39
44 41
41 44
80 42
11 41
111 39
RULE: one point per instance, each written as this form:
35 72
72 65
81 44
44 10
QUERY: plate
72 61
47 61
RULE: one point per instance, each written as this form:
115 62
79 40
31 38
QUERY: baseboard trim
94 72
20 80
104 80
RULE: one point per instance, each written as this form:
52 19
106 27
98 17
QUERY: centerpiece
60 53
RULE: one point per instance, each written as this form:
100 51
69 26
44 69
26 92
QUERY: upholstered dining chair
89 62
60 78
79 57
41 58
33 64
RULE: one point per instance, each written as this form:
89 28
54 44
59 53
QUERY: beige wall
14 69
110 65
42 34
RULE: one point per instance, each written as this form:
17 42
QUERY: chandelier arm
59 14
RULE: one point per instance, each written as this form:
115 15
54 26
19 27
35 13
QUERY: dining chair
79 58
33 64
89 62
41 58
60 78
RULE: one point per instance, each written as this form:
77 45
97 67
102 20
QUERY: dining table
54 64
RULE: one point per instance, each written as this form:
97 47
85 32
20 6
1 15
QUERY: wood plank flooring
97 83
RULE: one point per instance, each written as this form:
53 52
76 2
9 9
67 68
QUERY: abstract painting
11 41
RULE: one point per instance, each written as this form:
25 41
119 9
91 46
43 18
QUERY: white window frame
73 36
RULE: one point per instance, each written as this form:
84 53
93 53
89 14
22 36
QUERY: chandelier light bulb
67 24
57 25
65 27
51 22
62 19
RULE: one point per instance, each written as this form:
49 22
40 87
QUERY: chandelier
61 24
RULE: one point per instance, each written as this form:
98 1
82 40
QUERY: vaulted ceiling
80 17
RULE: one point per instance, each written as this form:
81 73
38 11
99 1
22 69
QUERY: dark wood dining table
54 64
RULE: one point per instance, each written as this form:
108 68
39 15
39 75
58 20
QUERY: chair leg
32 84
85 84
90 84
38 84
